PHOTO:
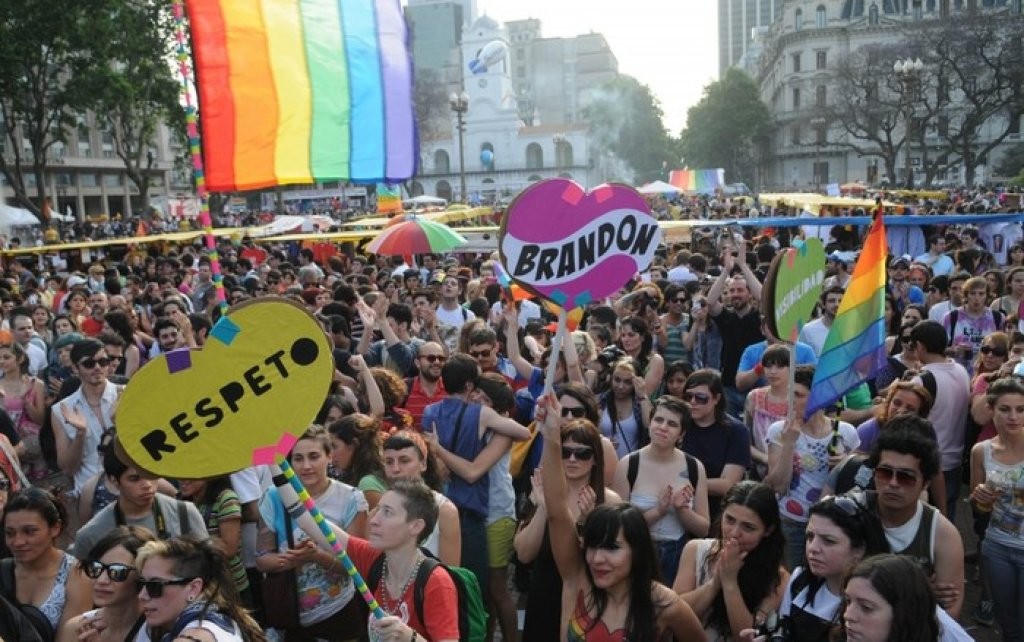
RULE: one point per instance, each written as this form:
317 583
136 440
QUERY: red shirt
418 400
440 599
91 327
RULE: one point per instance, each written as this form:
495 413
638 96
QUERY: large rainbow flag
389 199
855 347
702 181
297 91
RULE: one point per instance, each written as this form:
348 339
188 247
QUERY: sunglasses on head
576 413
581 454
999 352
155 588
698 397
852 504
433 358
885 474
116 572
91 363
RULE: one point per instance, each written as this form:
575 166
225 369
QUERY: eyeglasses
581 454
577 413
698 397
885 474
116 572
480 354
155 588
91 363
999 352
434 358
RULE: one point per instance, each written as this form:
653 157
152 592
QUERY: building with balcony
797 75
86 177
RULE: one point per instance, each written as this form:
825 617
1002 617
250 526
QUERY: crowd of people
656 479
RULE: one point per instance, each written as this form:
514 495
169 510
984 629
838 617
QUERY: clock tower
485 71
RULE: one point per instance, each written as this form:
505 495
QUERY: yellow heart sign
264 371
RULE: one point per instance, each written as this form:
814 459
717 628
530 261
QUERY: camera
774 629
610 355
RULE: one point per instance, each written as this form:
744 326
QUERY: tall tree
44 48
136 90
726 128
978 62
626 119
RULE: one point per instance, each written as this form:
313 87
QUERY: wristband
759 370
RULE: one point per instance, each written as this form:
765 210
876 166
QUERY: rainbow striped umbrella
415 235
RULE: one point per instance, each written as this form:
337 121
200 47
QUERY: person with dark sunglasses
110 565
904 459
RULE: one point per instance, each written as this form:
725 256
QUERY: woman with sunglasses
997 482
407 456
800 454
736 578
625 409
585 455
717 440
44 576
609 589
841 532
187 593
110 565
667 485
901 358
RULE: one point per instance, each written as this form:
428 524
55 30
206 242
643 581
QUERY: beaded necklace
387 602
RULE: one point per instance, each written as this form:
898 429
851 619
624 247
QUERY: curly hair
363 433
392 387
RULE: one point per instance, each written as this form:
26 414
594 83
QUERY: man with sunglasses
138 504
903 461
427 387
670 328
80 419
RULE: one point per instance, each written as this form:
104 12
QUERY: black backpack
28 621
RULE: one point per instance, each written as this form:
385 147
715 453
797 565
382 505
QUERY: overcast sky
669 45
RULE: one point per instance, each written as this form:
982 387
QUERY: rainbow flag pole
295 497
195 149
854 349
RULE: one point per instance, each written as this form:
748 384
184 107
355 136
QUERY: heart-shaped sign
793 287
262 376
571 246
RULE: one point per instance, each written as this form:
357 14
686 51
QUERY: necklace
389 603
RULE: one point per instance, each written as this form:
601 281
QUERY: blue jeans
474 545
952 478
668 559
1005 568
795 533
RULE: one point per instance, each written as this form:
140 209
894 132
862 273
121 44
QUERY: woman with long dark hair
734 579
636 341
609 585
118 322
357 454
625 409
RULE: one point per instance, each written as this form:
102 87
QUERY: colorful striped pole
301 496
195 149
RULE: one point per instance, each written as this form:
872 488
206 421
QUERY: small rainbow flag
702 181
389 199
854 349
297 91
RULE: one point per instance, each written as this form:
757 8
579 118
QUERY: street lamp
908 73
558 140
460 105
818 123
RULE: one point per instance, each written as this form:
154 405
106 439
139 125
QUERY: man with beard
815 332
740 325
950 299
427 388
900 288
92 326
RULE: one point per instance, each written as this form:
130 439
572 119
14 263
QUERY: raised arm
561 527
718 287
502 425
471 471
373 394
523 367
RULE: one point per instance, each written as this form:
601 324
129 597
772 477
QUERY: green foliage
626 119
726 127
1012 162
60 59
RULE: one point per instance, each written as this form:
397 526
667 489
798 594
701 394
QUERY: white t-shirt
949 412
814 335
527 310
454 318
